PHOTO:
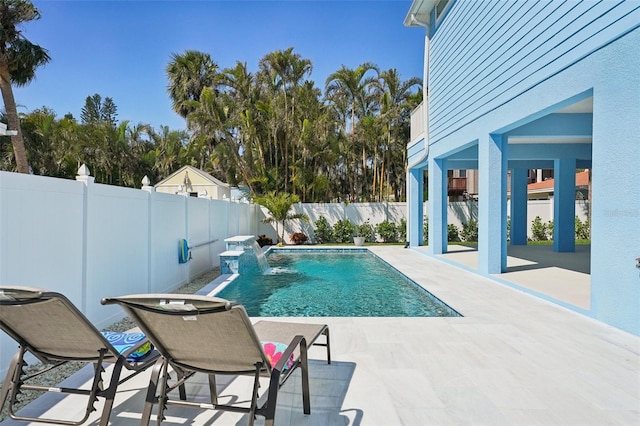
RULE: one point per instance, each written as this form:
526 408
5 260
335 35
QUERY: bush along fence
343 231
340 222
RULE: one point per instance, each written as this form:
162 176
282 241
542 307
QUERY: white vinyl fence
89 241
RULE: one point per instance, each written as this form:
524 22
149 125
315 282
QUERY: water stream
261 258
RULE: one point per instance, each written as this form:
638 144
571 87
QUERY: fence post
84 176
146 186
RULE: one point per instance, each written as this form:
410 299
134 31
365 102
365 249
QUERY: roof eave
419 13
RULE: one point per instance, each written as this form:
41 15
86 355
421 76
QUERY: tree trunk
13 121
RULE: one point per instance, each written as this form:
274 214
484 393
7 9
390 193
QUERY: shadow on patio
329 384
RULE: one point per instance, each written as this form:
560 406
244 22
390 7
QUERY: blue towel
183 251
125 341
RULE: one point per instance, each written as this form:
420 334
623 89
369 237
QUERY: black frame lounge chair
47 325
213 336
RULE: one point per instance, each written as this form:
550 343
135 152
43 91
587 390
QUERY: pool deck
513 359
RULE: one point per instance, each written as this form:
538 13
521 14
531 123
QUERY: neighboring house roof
5 132
193 171
545 188
582 179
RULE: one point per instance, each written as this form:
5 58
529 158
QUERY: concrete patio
512 359
561 277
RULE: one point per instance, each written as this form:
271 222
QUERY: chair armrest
298 341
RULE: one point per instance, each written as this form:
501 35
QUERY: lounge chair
213 336
49 326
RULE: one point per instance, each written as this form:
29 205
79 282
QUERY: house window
441 6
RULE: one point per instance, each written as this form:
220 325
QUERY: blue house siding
484 52
415 152
515 85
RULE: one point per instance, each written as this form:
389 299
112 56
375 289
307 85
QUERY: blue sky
120 49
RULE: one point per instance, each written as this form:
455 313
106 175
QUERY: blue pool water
339 283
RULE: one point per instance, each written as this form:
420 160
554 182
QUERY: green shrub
538 230
425 231
366 230
323 231
388 231
402 230
582 229
343 231
470 231
453 233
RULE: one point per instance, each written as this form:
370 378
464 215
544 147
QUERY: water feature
243 255
260 257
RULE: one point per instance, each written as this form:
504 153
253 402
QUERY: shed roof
196 171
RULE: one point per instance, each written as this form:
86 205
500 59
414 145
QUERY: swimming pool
336 283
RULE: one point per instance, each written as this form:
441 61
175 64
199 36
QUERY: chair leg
326 333
13 374
181 388
213 390
304 367
162 398
254 397
151 392
110 393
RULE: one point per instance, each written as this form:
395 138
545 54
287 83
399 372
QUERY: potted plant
263 240
299 238
363 232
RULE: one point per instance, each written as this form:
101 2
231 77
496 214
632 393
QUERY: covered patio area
563 278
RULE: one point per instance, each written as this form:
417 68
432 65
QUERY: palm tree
282 72
354 86
188 74
353 92
397 99
167 144
19 59
39 134
243 98
279 206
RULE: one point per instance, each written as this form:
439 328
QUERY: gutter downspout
416 213
425 84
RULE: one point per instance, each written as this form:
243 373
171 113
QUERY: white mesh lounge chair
212 336
49 326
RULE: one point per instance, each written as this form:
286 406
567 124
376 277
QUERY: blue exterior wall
486 52
615 231
506 67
